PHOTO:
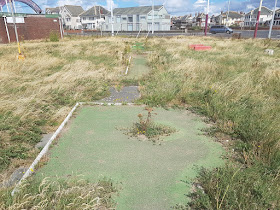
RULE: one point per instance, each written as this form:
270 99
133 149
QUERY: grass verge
237 86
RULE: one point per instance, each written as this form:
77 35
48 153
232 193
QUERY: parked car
220 29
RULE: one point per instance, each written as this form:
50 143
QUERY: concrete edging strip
46 148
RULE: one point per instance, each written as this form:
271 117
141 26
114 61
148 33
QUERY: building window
68 19
84 18
124 18
142 18
77 20
130 19
118 19
91 18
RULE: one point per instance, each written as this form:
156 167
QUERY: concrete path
126 94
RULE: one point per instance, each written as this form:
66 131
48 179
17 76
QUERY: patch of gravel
126 95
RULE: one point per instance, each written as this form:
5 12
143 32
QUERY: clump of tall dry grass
73 193
237 86
37 93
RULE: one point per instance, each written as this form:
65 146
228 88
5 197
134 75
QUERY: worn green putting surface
139 67
151 176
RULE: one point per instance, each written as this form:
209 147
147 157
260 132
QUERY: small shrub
7 154
149 129
232 187
54 37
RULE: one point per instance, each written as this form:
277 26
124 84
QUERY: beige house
230 18
69 15
251 17
93 18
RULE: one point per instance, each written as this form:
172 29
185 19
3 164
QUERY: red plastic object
201 48
192 46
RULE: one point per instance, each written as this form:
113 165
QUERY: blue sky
174 7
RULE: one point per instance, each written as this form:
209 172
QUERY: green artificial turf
151 176
139 67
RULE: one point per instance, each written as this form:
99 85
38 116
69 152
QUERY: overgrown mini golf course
150 176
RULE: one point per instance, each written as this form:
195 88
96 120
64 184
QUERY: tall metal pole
112 17
60 27
8 10
228 12
258 19
206 19
153 18
272 20
20 56
14 6
14 21
7 30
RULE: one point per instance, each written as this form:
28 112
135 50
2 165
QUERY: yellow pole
20 56
19 48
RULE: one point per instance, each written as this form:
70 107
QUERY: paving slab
44 140
151 176
15 177
125 95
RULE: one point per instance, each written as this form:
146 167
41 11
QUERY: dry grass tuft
60 194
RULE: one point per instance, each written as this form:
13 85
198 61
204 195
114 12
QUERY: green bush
7 154
233 187
54 37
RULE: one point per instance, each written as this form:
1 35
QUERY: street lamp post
112 17
153 18
228 12
272 20
206 19
258 19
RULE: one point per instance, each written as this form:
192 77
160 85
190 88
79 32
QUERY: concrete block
269 51
192 46
202 48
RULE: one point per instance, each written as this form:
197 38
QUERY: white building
251 17
69 15
276 18
93 18
230 18
52 11
136 18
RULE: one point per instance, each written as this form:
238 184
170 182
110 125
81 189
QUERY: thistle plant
150 129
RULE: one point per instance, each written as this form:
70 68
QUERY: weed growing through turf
54 37
148 128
